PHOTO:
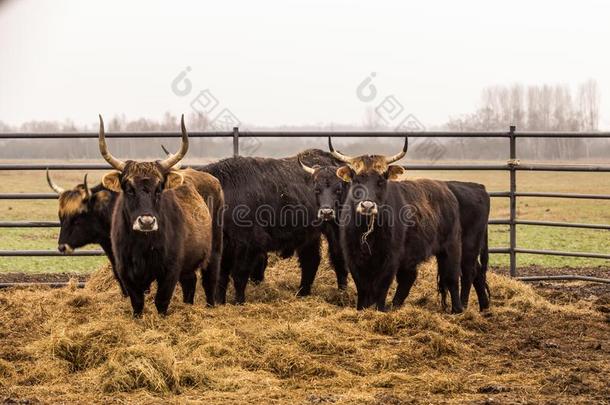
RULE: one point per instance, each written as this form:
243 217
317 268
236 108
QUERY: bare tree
371 121
589 99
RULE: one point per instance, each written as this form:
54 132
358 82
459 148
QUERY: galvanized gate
512 165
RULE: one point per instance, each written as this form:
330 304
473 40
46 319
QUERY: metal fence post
235 141
513 202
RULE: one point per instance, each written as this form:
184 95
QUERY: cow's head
329 189
84 214
142 183
368 176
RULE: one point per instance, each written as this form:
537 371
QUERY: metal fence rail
512 166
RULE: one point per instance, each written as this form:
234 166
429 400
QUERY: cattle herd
159 222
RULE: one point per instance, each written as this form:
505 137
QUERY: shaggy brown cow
161 228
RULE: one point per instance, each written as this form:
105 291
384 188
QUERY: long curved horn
114 162
399 155
178 165
338 155
54 186
87 189
308 169
173 159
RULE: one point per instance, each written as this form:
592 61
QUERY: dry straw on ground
82 346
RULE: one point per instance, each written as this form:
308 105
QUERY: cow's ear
112 181
173 180
345 173
394 172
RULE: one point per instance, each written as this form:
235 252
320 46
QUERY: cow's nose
367 205
326 213
146 220
65 248
145 223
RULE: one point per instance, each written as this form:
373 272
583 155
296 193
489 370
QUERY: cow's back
197 226
278 188
474 205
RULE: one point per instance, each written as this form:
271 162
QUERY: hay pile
83 346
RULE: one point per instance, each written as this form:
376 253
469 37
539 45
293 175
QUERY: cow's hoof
485 312
304 292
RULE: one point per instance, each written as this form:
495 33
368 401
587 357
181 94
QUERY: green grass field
534 237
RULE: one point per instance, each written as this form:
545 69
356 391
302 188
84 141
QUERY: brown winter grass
83 346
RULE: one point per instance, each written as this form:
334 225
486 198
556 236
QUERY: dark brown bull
474 205
161 227
388 227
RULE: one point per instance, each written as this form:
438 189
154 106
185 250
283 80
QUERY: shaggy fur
85 220
181 245
286 222
416 220
474 205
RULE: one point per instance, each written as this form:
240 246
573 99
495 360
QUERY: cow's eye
317 191
338 191
380 182
130 190
158 190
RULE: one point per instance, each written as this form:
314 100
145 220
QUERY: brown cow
161 227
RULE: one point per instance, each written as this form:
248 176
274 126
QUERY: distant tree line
531 108
534 108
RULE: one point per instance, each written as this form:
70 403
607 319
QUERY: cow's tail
442 289
484 258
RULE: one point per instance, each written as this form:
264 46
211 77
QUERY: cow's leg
309 259
257 275
165 290
468 273
380 289
242 272
135 291
210 276
226 267
188 282
336 258
481 288
449 277
405 279
137 301
136 296
209 281
361 300
366 298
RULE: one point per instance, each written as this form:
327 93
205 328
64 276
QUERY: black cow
388 227
474 205
330 193
270 207
474 214
85 215
161 228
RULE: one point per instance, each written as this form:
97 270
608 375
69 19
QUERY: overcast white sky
289 62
